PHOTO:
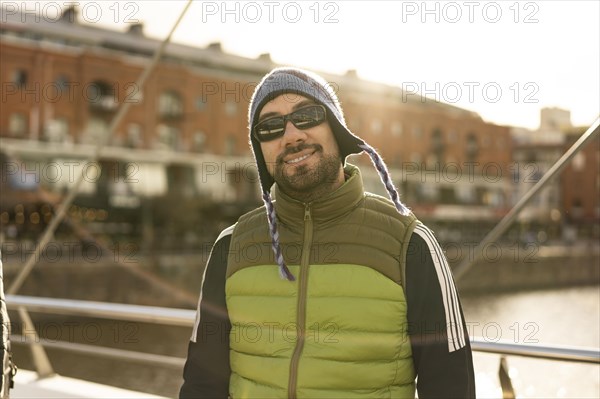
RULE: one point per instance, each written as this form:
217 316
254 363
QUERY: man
364 302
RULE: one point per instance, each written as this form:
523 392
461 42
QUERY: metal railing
185 318
104 310
554 352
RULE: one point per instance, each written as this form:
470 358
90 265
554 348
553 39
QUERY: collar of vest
329 207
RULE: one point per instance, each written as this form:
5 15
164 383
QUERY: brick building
569 205
63 82
580 183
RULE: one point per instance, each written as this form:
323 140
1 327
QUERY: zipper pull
307 212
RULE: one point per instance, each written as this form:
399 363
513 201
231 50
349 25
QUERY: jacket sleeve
436 326
206 371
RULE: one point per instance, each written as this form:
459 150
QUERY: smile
299 159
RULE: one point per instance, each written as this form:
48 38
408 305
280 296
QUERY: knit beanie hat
297 81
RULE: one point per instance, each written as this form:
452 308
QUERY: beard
307 182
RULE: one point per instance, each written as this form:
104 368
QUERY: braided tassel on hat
284 272
385 178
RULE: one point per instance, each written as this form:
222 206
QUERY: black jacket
440 344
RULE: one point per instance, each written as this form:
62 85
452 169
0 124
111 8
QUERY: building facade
63 82
580 183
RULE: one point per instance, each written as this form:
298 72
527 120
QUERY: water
553 317
568 317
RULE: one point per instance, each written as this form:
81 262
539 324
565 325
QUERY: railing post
508 391
40 358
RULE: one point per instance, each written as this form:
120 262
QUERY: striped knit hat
297 81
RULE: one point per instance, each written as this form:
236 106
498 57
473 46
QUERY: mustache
297 149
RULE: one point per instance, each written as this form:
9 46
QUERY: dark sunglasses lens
270 129
308 117
304 118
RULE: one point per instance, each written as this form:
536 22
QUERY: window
95 130
447 195
428 192
134 135
437 142
170 105
231 108
432 162
57 130
101 96
230 145
396 129
465 193
496 198
61 83
577 208
199 139
472 148
200 103
19 78
376 126
168 137
180 178
17 124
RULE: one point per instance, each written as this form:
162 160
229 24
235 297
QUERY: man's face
302 160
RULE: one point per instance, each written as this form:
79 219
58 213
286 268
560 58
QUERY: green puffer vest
340 329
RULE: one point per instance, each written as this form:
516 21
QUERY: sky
504 60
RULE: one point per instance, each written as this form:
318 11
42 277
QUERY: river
569 317
559 316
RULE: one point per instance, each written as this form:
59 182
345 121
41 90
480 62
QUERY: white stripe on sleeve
454 322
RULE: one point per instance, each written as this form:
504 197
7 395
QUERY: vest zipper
301 307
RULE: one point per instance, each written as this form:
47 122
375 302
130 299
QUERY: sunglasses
303 118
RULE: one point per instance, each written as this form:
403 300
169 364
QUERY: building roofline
136 44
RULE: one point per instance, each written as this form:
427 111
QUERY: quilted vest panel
354 336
